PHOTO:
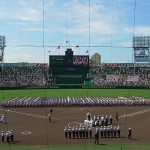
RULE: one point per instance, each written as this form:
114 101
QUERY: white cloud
19 57
139 30
142 30
126 44
31 14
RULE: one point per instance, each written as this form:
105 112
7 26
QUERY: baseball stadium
73 95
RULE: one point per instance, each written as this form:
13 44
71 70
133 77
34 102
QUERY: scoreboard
62 61
69 63
57 60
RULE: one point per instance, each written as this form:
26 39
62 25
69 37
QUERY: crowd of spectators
39 75
21 76
76 102
119 76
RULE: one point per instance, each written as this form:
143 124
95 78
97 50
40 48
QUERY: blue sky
111 24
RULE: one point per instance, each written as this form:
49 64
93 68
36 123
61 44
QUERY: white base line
130 115
135 113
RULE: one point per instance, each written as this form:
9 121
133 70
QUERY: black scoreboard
57 60
69 63
68 59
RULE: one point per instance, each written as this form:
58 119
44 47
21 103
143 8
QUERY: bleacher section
18 75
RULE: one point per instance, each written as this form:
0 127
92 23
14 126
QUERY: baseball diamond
29 124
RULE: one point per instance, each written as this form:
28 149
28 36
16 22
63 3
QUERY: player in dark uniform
11 136
117 117
129 133
69 132
51 110
96 138
3 136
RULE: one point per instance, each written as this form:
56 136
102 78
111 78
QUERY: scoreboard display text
62 61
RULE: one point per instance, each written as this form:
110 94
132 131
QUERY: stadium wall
76 87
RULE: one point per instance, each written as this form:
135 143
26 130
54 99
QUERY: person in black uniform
51 110
3 136
69 132
96 138
117 117
11 136
8 136
129 133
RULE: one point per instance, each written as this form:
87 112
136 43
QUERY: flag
67 41
58 47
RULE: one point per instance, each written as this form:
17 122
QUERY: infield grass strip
78 147
6 94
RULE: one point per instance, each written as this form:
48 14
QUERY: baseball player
3 136
129 133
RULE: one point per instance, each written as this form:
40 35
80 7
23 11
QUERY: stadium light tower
2 48
141 46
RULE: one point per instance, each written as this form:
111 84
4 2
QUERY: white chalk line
26 132
135 113
17 112
125 115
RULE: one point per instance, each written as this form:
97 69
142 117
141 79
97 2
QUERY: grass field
5 94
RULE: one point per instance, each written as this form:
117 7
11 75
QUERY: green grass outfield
77 147
5 94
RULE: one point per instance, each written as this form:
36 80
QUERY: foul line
125 115
135 113
17 112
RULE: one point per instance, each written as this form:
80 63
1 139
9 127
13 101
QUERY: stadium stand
119 75
20 76
39 75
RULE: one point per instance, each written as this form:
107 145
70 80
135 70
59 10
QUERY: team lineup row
87 132
75 101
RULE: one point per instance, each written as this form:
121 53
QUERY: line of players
83 132
78 132
103 120
108 131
